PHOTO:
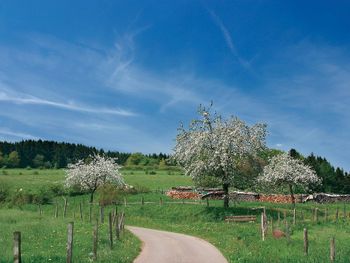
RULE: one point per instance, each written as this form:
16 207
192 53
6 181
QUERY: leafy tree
135 159
216 147
90 176
284 170
162 164
38 160
13 159
2 161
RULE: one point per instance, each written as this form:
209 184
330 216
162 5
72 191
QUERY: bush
44 196
35 173
136 189
76 190
153 172
58 190
108 194
20 198
4 193
207 181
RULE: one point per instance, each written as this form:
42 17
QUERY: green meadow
44 237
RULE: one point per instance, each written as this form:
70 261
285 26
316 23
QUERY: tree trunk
292 194
226 195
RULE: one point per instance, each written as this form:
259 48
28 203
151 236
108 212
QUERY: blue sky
122 75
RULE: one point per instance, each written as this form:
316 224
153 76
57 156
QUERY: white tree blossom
284 170
90 176
213 146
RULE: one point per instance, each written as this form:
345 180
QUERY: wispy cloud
228 39
20 98
17 135
124 75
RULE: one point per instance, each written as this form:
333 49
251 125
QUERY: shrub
152 172
20 198
207 181
4 193
57 190
108 194
136 189
44 196
35 172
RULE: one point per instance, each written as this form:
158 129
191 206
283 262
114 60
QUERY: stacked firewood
282 199
183 195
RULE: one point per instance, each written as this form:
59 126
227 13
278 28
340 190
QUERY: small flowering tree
284 170
215 147
90 176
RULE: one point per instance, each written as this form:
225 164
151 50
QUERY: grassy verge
44 238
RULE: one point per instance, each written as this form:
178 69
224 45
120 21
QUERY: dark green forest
51 154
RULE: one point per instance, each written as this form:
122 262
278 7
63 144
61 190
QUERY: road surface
167 247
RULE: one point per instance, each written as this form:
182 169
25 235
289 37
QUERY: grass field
239 242
35 179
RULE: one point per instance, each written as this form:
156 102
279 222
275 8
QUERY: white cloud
16 134
228 39
20 98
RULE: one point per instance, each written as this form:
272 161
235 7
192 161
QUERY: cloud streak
20 98
228 39
16 134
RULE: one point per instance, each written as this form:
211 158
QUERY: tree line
51 154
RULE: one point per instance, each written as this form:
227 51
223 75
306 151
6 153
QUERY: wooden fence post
95 241
278 217
142 200
90 212
294 216
70 242
332 249
161 201
337 214
17 247
81 211
117 226
56 211
65 208
285 217
306 242
272 226
263 229
207 202
125 201
287 232
102 214
316 215
110 230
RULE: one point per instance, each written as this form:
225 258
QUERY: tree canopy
216 147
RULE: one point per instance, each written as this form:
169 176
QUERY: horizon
122 76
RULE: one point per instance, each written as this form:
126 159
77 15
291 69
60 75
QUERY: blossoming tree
284 170
90 176
215 147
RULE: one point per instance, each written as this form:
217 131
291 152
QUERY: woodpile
281 199
174 194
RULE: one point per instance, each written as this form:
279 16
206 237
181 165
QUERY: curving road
167 247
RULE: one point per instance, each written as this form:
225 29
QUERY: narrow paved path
167 247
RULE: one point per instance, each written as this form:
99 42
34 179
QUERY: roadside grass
44 238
